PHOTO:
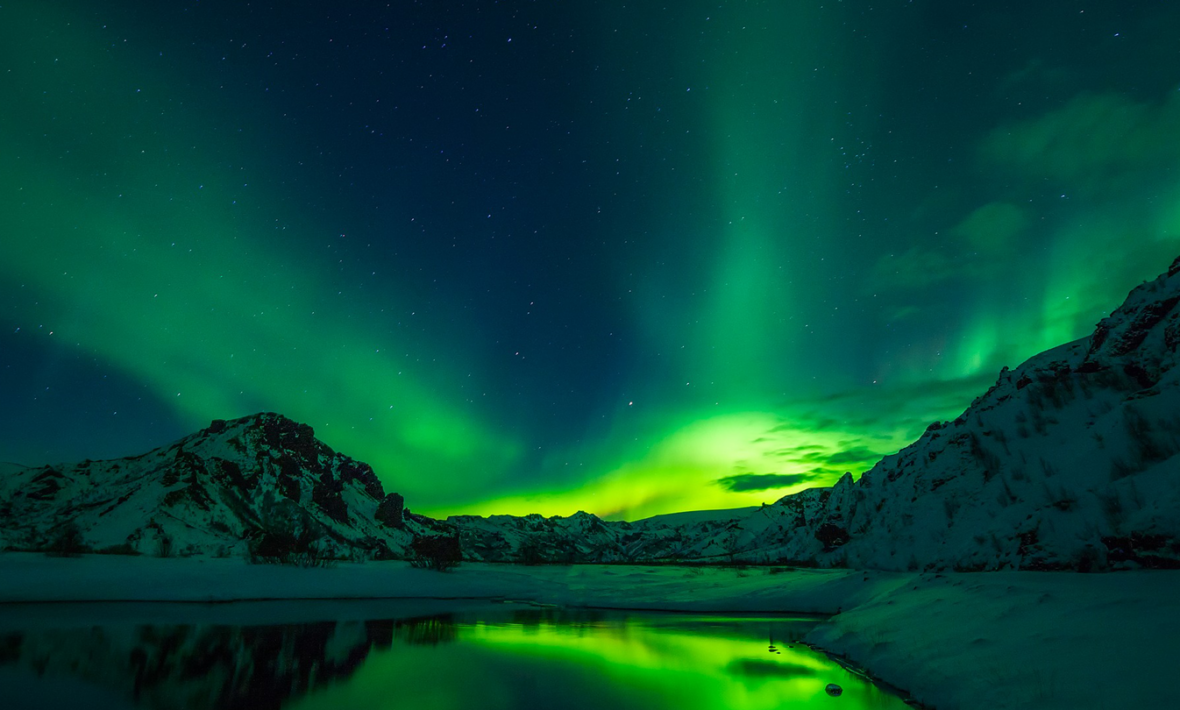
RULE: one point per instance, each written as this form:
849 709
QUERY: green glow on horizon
688 468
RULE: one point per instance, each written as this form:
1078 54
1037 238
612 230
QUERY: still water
503 656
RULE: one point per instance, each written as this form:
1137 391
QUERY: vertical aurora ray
764 176
735 334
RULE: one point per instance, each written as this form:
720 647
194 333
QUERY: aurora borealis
542 257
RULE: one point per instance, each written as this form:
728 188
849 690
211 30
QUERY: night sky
628 258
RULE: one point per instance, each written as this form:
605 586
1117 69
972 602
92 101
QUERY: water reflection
515 657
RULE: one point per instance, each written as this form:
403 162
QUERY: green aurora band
792 323
145 258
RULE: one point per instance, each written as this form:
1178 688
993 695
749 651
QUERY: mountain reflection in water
514 658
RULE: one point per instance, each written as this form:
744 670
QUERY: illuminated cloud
1095 142
762 481
994 228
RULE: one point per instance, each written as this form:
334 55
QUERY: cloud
855 455
974 249
763 481
1097 145
1092 141
917 267
858 454
1033 78
992 228
912 405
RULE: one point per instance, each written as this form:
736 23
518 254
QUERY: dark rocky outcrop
390 512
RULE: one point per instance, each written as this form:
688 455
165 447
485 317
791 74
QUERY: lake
421 655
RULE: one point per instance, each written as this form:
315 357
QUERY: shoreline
947 640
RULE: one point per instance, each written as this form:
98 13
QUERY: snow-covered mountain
1069 461
250 480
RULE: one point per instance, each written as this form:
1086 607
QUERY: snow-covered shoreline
979 640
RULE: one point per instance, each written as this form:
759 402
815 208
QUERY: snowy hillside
211 493
1070 461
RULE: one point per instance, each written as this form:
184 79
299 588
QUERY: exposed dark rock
357 471
1148 318
189 467
46 484
288 478
939 482
1172 333
326 494
1151 551
231 473
390 510
1140 375
282 434
832 536
441 552
1101 333
1040 564
1028 541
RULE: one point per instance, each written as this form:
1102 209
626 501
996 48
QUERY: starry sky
622 257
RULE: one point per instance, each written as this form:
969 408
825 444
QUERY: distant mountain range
1070 461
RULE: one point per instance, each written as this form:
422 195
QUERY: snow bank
1020 640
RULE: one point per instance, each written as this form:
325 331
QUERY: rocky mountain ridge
1069 461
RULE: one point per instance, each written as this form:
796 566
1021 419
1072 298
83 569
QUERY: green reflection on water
598 661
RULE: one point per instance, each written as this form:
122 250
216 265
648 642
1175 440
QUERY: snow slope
692 517
1070 461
